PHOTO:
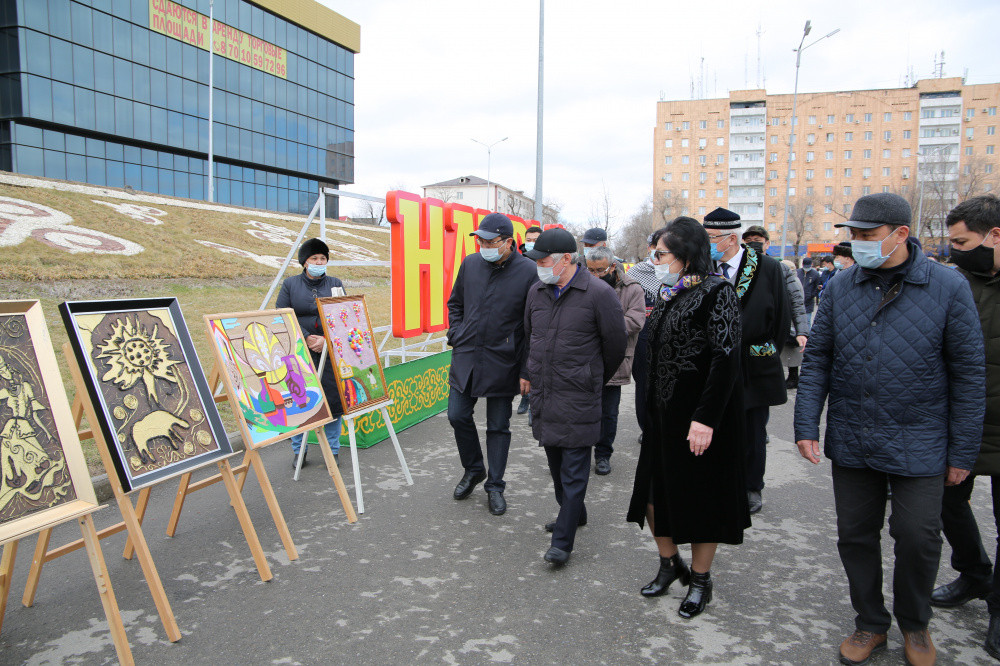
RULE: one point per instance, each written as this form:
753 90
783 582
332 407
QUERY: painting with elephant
143 377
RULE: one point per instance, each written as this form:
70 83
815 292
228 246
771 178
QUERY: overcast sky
433 75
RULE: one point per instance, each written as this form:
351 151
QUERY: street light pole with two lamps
489 158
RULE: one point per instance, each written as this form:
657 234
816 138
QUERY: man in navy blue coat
897 348
486 333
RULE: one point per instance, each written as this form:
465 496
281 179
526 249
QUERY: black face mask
977 260
757 245
611 278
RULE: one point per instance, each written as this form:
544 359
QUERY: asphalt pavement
422 578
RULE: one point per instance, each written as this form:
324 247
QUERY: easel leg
175 514
352 436
104 588
272 503
395 443
243 470
236 499
137 540
303 449
140 513
6 570
338 481
35 573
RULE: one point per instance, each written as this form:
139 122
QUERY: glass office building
115 93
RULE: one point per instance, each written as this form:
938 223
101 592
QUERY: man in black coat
810 284
486 333
760 286
576 341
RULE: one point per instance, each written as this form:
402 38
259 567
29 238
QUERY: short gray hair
559 255
602 253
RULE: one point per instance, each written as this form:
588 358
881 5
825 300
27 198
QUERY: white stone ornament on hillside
273 262
339 249
144 214
20 220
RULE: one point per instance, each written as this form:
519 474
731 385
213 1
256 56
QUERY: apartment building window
791 191
867 189
848 136
772 192
970 114
791 174
686 176
772 175
886 153
774 157
968 133
828 155
827 226
849 117
907 115
686 124
702 124
685 159
829 137
701 194
793 156
810 156
774 139
702 177
812 120
866 172
828 208
847 209
772 226
989 150
829 173
684 211
886 172
774 121
702 143
719 159
720 141
668 143
888 135
967 169
907 152
988 168
868 117
927 113
869 135
684 194
809 174
718 193
720 124
887 116
703 160
992 111
772 210
848 154
701 210
685 143
718 176
809 209
669 159
831 118
885 188
907 134
809 191
991 130
668 126
847 172
867 153
668 177
968 150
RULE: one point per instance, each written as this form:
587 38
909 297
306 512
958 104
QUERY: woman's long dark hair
688 241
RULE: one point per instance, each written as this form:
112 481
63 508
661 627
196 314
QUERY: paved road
422 578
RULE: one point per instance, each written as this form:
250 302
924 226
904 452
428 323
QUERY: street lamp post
791 140
489 158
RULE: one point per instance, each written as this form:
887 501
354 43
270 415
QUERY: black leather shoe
469 481
755 500
992 644
550 527
522 406
671 569
698 596
556 556
959 591
498 505
603 466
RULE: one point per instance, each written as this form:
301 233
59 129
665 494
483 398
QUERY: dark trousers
570 470
640 369
461 407
968 557
611 398
914 525
756 453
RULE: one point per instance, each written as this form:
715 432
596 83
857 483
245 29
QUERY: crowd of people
884 340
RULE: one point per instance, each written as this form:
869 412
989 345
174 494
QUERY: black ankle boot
698 596
671 569
992 644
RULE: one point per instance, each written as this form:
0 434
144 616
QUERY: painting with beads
156 410
43 473
353 352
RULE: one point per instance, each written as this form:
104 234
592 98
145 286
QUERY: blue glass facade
89 93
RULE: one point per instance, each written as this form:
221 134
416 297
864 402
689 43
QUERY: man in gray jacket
576 341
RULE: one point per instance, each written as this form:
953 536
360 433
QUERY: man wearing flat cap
592 238
764 302
896 355
576 342
486 333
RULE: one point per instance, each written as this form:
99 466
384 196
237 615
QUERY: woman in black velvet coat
690 475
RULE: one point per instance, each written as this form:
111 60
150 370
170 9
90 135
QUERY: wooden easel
132 517
251 459
352 436
92 544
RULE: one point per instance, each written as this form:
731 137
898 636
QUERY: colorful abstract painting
41 463
269 375
352 349
147 386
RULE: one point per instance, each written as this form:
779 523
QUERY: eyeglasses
600 272
715 238
656 256
496 242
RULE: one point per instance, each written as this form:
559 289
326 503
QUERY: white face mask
546 274
664 275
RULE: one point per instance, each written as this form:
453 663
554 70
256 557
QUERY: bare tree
801 216
602 215
667 205
630 241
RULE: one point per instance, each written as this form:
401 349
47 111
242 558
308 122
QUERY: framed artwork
155 408
43 474
351 347
269 376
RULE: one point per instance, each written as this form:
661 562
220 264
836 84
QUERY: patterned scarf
686 282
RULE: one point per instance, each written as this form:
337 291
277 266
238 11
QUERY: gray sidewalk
423 578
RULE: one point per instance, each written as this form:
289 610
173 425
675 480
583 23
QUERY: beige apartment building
933 143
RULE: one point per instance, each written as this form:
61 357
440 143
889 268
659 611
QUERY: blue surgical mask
868 254
529 246
839 265
316 270
717 254
490 254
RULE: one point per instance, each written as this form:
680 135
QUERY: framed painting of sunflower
43 473
269 375
155 407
